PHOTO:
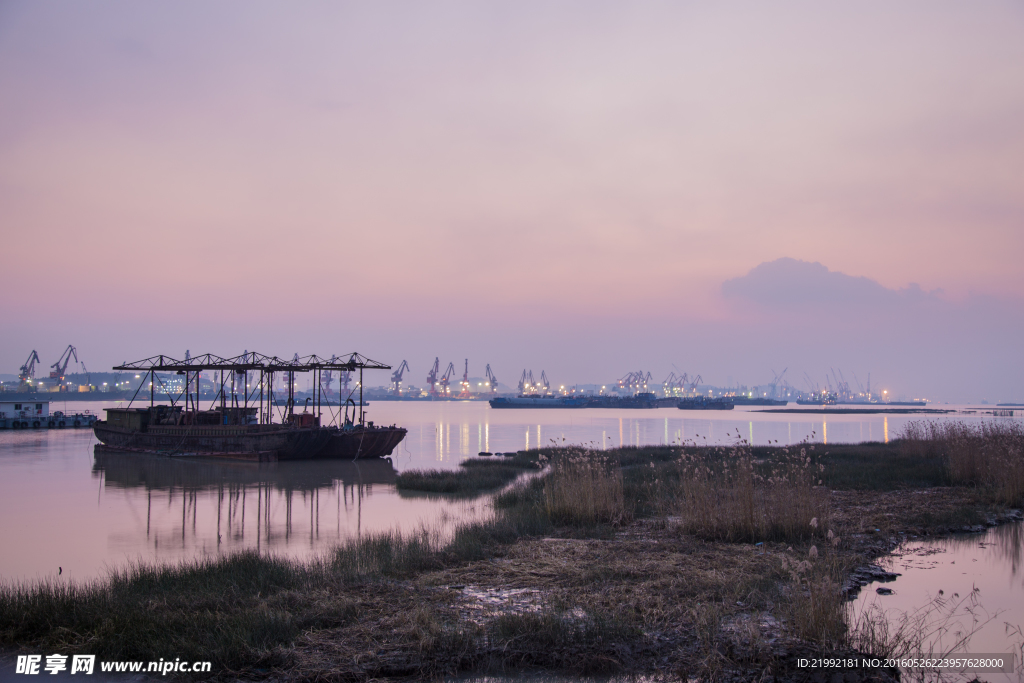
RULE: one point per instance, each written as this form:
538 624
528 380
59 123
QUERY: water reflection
983 572
275 496
444 433
1001 547
65 506
67 503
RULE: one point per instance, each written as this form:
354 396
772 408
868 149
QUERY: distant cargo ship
705 403
538 401
642 401
755 401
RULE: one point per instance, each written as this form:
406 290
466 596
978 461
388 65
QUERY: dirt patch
654 600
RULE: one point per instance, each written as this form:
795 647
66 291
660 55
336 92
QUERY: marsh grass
735 498
247 611
386 554
817 608
583 489
580 640
236 611
474 476
987 455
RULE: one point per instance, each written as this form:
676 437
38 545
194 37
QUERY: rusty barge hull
363 442
259 443
255 442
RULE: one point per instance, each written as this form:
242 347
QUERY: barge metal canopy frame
243 364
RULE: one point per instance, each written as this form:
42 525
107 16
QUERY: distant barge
242 426
705 403
641 401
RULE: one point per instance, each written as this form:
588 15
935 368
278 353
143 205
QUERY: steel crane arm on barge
245 428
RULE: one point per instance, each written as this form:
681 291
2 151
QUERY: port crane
465 382
432 376
811 385
396 377
544 383
60 368
27 372
635 381
446 379
527 385
328 377
777 377
345 377
694 381
491 379
626 380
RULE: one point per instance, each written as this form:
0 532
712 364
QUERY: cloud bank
919 341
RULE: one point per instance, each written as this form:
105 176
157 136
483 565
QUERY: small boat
35 413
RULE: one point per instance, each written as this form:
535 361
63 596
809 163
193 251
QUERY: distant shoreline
857 411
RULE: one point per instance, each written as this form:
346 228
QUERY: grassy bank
474 476
705 562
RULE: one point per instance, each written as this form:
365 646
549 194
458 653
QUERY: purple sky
582 187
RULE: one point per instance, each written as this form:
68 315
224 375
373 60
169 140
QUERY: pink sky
557 185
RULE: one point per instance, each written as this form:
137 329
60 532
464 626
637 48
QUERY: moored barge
240 424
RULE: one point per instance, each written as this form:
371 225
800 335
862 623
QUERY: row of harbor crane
842 389
638 382
441 382
58 371
641 382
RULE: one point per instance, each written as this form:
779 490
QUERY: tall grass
236 611
583 489
584 641
817 608
387 554
988 455
735 498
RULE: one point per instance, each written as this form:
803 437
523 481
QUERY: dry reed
989 455
584 488
734 498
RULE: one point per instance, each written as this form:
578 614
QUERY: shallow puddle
963 594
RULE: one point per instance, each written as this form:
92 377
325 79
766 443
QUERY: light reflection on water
448 431
61 505
948 571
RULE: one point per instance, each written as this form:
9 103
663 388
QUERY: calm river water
966 592
65 508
